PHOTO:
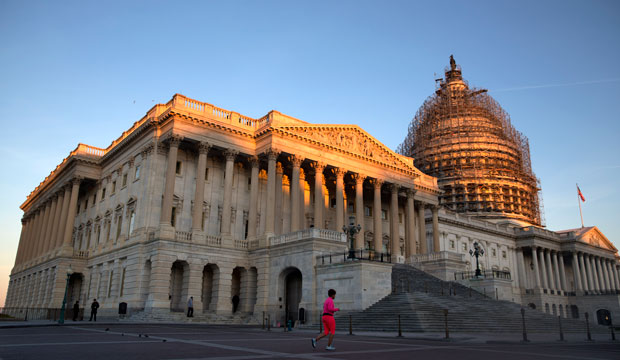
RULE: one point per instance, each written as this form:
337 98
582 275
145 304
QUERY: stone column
20 250
319 198
591 276
23 243
550 270
228 183
576 273
44 229
376 214
614 269
279 224
295 192
66 198
199 193
600 274
302 199
562 272
435 211
359 209
521 268
166 208
70 220
536 267
253 211
32 236
48 236
612 275
56 225
394 233
410 225
340 221
556 272
584 272
422 228
543 267
272 156
605 266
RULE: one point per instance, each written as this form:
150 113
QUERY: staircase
421 309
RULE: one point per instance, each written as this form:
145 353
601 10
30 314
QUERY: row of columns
591 273
296 198
50 225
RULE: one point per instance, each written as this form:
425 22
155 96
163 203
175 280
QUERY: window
113 187
124 180
173 216
119 226
493 252
451 244
351 207
108 230
207 174
98 234
179 167
123 281
132 219
137 173
332 203
465 247
384 215
202 225
367 210
102 194
503 254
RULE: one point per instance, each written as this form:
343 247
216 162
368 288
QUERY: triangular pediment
350 139
595 237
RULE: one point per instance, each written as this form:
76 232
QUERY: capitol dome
464 138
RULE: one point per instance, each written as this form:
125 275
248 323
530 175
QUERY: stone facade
194 200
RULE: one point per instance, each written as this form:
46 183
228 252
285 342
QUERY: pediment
350 139
595 237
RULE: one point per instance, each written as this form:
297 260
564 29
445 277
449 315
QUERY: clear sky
84 71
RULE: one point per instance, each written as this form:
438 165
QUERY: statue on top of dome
452 63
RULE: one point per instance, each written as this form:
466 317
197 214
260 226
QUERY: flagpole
579 201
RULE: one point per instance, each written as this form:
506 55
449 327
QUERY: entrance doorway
292 294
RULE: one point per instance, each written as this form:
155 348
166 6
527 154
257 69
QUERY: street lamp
64 300
478 251
351 230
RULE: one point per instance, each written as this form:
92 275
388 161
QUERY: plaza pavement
83 340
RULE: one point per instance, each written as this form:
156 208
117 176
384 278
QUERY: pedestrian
93 310
76 310
235 302
190 307
329 323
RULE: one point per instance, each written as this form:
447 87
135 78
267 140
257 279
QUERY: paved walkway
177 341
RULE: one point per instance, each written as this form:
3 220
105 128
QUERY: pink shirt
328 306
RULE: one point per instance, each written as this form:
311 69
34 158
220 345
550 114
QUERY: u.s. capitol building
195 200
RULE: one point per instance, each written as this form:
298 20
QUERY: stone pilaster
319 197
166 208
159 290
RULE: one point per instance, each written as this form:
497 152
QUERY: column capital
359 178
230 154
272 153
76 180
203 147
174 140
254 161
296 160
420 203
377 183
435 207
339 172
410 192
393 187
318 166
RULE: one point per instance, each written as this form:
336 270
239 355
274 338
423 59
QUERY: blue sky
84 71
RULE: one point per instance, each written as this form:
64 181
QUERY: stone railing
83 149
241 244
213 240
182 236
312 233
211 111
441 255
82 254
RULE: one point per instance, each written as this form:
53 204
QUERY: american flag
580 194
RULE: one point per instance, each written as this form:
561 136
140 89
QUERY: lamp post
64 300
351 230
478 251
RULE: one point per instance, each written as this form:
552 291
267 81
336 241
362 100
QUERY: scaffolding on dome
462 136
